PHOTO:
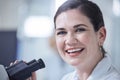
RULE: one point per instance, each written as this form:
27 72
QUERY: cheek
60 46
59 43
88 40
84 38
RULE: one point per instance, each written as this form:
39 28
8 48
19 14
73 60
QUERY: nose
71 40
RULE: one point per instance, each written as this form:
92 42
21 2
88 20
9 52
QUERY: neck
86 68
83 74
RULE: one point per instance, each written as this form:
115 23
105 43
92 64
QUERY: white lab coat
103 71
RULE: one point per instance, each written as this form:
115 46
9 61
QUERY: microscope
20 70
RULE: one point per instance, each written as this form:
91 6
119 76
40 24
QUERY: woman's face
76 40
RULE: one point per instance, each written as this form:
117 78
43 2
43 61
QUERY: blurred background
26 33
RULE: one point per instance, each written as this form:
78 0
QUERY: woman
80 35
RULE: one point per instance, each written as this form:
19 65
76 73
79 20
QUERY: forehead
71 18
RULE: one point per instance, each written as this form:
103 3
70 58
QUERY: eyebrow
75 26
78 25
59 29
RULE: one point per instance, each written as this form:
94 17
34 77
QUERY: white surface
3 73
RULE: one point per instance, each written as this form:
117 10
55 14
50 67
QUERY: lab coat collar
102 68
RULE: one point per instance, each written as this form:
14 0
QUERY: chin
74 62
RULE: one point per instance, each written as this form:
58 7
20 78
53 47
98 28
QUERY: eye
61 32
80 29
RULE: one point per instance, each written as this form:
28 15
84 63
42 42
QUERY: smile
73 51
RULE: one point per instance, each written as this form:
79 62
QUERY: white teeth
74 50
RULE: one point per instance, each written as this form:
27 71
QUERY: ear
101 35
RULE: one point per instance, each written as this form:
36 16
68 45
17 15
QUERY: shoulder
113 74
105 70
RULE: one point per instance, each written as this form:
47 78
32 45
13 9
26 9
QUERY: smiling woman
80 34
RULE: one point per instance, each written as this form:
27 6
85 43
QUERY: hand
33 77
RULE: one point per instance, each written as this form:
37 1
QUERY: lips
74 51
